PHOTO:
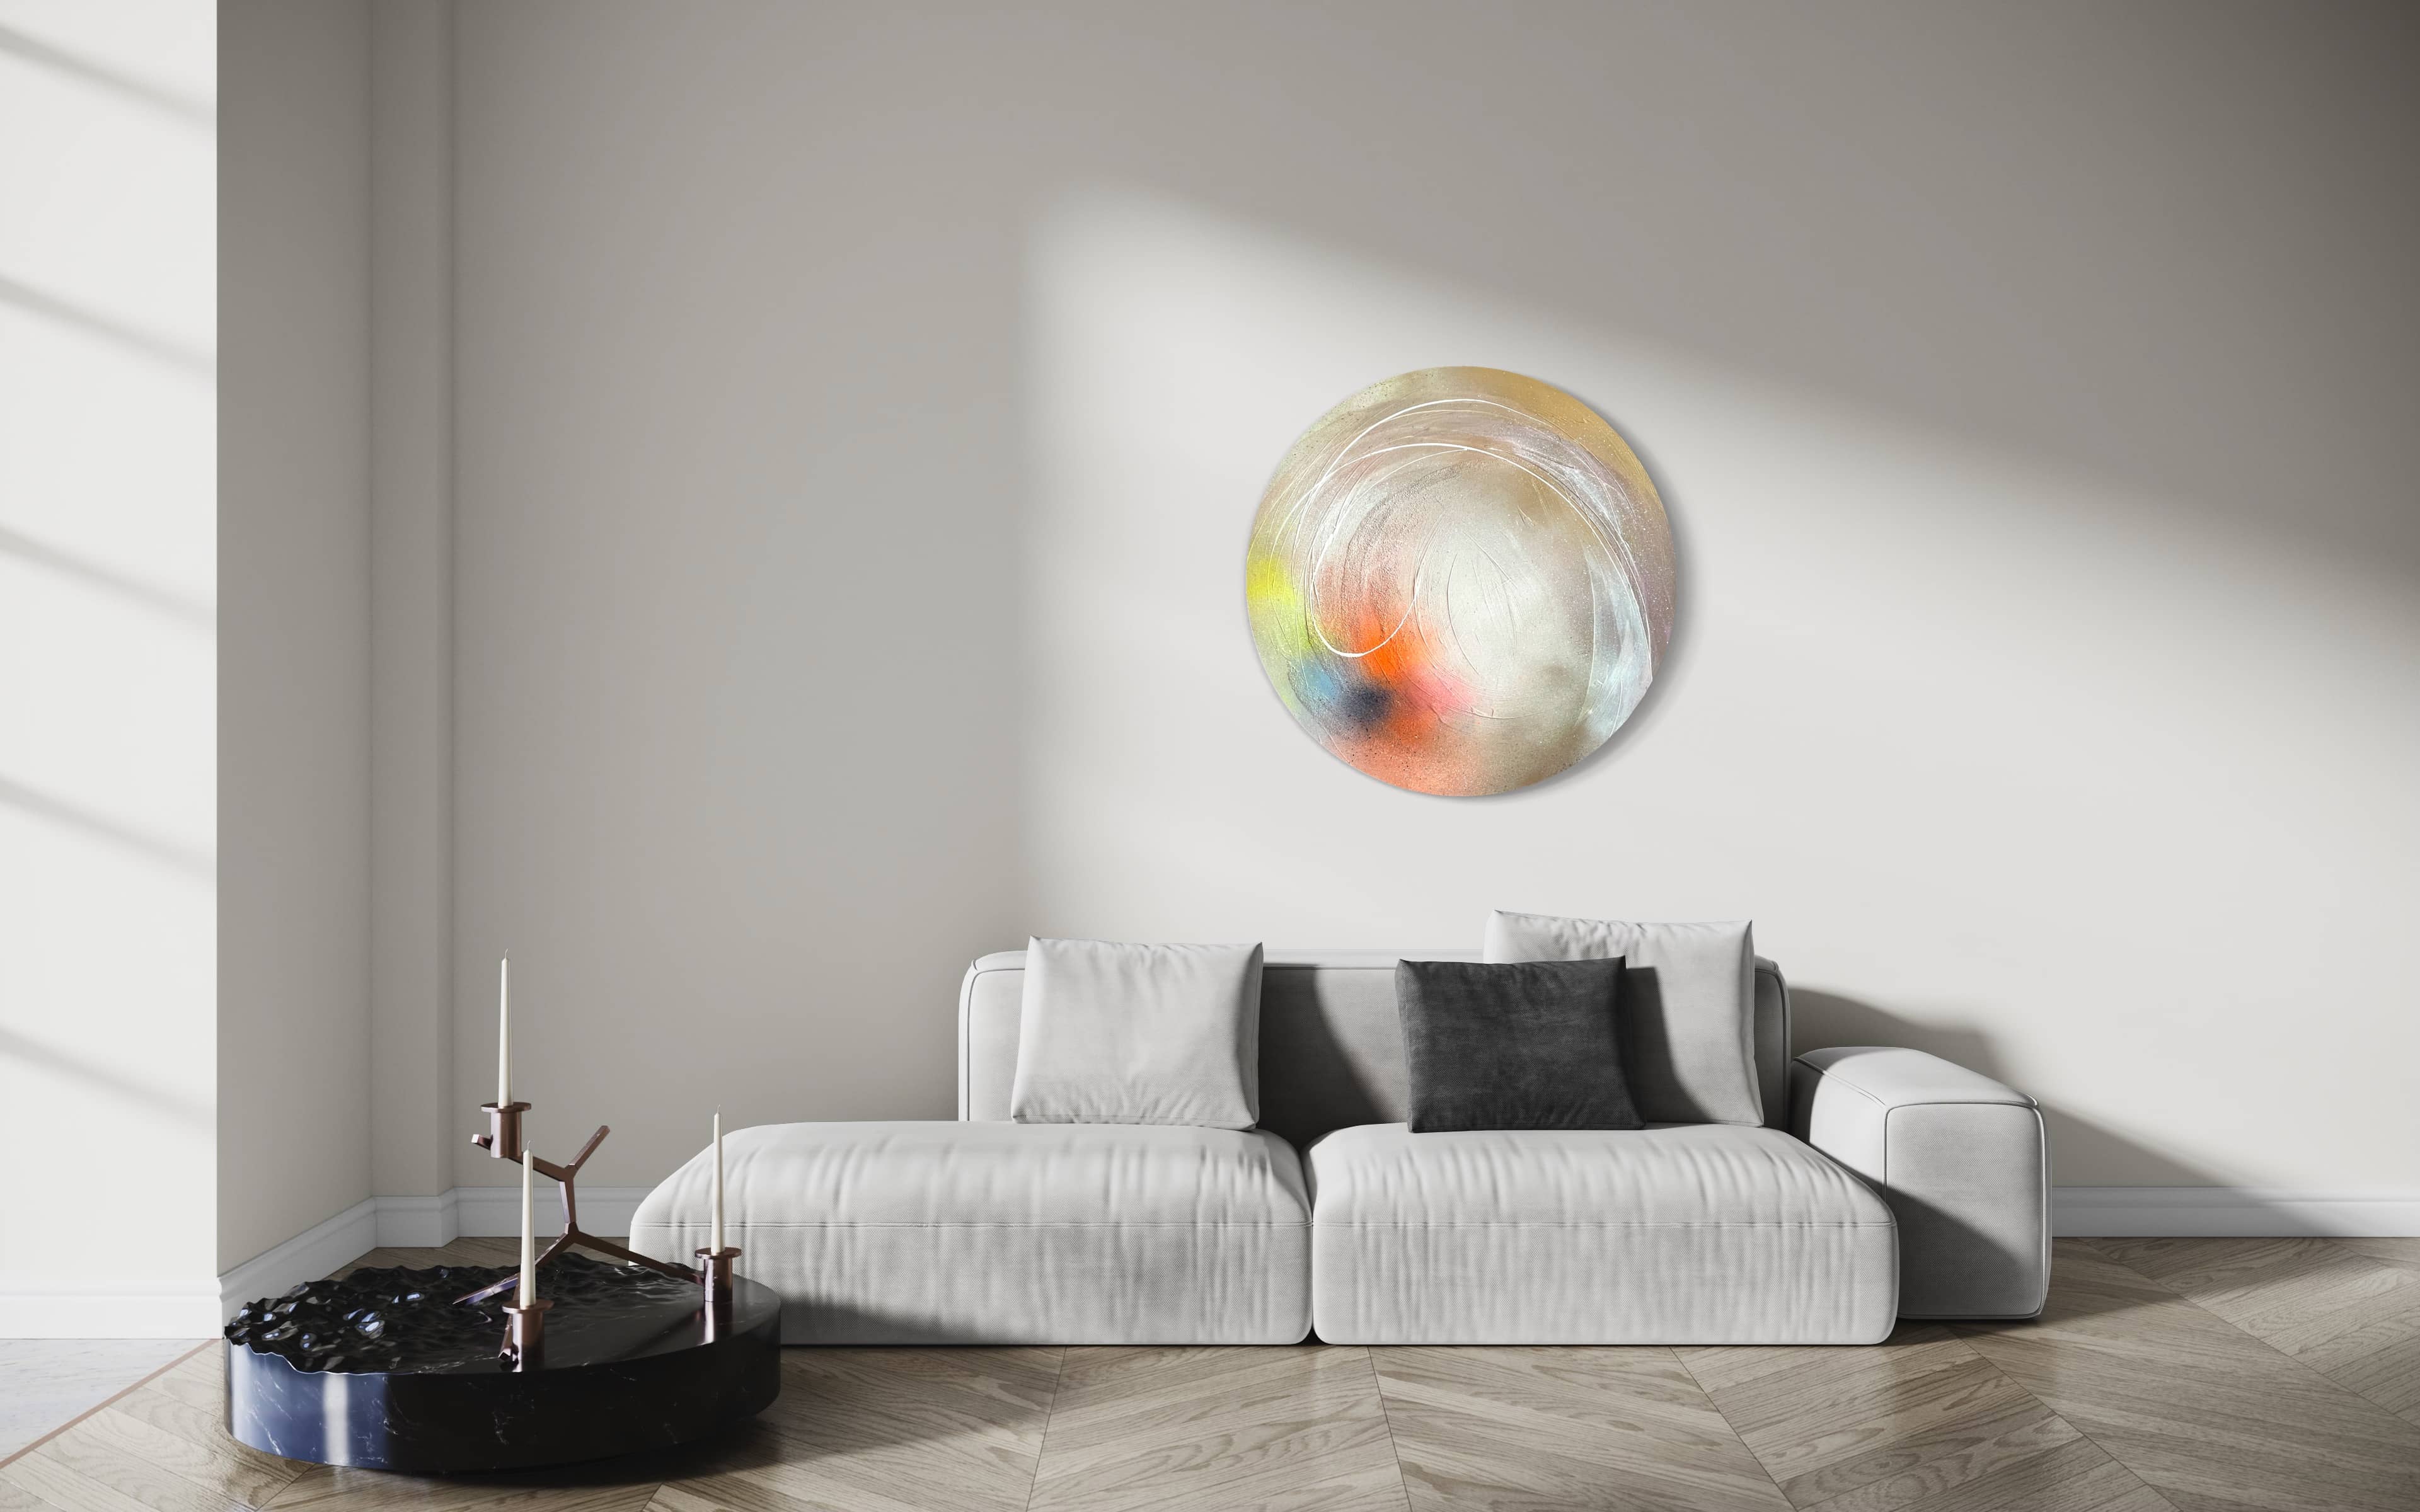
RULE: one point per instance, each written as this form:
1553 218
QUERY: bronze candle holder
502 1141
714 1272
713 1276
503 1135
525 1334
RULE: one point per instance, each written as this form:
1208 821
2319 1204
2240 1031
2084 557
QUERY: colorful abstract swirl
1460 581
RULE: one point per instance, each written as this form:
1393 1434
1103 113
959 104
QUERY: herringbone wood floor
2209 1373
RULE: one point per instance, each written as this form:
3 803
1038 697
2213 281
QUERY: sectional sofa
1884 1183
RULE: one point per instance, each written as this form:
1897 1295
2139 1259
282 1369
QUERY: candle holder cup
714 1273
525 1334
713 1280
502 1140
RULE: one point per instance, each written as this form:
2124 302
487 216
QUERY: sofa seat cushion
1005 1233
1685 1234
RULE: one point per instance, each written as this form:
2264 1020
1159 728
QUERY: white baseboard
396 1222
495 1211
418 1223
306 1256
2209 1211
162 1309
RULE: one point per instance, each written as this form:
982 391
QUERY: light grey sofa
1883 1183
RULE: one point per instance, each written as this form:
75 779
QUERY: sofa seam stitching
2019 1101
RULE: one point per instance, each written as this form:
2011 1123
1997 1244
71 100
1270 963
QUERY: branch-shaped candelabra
502 1141
525 1336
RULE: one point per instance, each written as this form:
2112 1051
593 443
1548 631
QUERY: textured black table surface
383 1369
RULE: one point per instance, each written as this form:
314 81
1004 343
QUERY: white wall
108 544
857 428
293 1145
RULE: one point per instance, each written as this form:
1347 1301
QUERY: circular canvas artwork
1460 581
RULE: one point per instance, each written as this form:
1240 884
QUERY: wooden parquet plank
2351 1315
125 1457
2203 1411
1578 1428
160 1429
1859 1402
1918 1422
2166 1376
890 1429
2392 1251
333 1489
1299 1427
1909 1471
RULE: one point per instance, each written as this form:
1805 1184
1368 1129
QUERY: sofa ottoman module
1006 1233
1963 1159
1692 1234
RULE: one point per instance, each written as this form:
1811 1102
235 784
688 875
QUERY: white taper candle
718 1180
504 1034
528 1293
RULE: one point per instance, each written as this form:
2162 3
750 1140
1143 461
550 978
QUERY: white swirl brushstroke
1460 582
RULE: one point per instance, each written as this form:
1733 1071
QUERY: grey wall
293 1019
414 1116
859 412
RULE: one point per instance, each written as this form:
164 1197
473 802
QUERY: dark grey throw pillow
1535 1044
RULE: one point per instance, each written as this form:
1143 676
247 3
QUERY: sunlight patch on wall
1928 705
108 669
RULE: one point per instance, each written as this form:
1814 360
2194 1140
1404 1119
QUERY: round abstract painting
1460 581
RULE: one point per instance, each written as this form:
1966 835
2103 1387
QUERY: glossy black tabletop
385 1369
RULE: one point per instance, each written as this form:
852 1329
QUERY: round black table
383 1369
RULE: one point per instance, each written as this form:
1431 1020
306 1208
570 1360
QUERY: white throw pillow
1688 1002
1114 1033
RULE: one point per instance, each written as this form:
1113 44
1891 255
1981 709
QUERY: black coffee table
383 1369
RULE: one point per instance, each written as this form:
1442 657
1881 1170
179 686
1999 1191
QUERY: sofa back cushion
1119 1033
1332 1046
1688 1007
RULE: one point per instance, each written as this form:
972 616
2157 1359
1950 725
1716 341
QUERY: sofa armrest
1962 1160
